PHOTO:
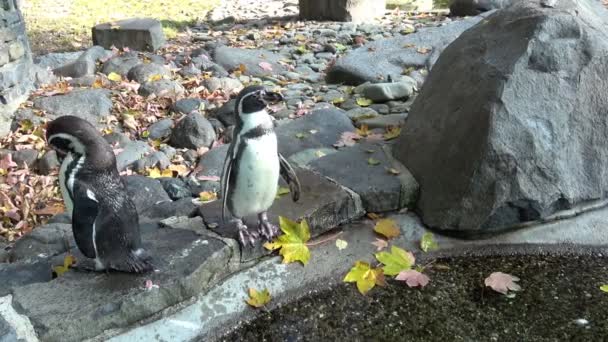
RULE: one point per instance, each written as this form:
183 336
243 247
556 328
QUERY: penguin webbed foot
86 266
265 228
245 236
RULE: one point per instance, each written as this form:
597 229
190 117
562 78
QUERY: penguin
104 219
250 175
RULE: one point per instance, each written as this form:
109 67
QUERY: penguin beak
272 98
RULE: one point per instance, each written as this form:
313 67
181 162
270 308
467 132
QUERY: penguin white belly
257 177
63 176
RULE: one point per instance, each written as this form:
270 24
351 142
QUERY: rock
226 113
131 153
192 132
189 71
162 88
323 203
160 129
229 85
383 121
359 113
43 242
327 125
342 10
56 59
140 34
189 259
26 156
141 73
88 104
464 8
7 332
382 92
389 57
175 188
178 208
42 76
380 190
120 65
230 58
145 192
117 139
523 142
187 105
168 151
156 159
210 165
61 218
84 81
85 64
17 275
380 108
48 163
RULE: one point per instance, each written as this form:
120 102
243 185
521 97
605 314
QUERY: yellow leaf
341 244
392 133
365 276
181 169
167 173
363 102
388 228
396 261
154 173
282 191
363 130
604 288
155 77
338 101
97 84
207 196
68 261
114 77
292 243
428 243
258 299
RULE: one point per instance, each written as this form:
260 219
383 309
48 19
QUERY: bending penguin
250 175
104 219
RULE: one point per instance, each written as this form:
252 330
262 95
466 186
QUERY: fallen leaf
372 161
207 196
265 66
258 299
413 278
347 139
292 243
393 171
337 101
181 169
396 261
301 135
155 172
604 288
380 244
365 277
50 210
145 134
209 178
129 121
388 228
364 102
7 162
363 131
392 133
341 244
428 243
374 216
282 191
114 77
423 50
155 77
68 261
502 282
149 285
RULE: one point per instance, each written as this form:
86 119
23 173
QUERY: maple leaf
388 228
258 299
502 282
396 261
292 243
341 244
207 196
282 191
365 276
347 139
428 243
265 66
413 278
68 261
392 133
364 102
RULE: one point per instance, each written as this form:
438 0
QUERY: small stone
382 92
227 84
226 113
160 129
175 188
143 73
117 139
26 156
143 34
88 104
168 151
189 71
192 132
381 108
359 113
84 65
157 159
43 242
187 105
131 153
120 65
162 88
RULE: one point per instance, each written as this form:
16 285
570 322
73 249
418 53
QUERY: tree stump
342 10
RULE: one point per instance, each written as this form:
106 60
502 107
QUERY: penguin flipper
84 215
290 177
225 180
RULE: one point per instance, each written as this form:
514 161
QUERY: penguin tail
137 261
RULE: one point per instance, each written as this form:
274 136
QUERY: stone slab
140 34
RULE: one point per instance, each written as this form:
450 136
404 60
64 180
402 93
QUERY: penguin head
71 134
254 99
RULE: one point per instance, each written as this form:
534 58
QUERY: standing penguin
104 219
250 175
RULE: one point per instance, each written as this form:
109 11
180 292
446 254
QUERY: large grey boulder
141 34
193 131
475 7
85 64
376 61
231 58
511 124
88 104
342 10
